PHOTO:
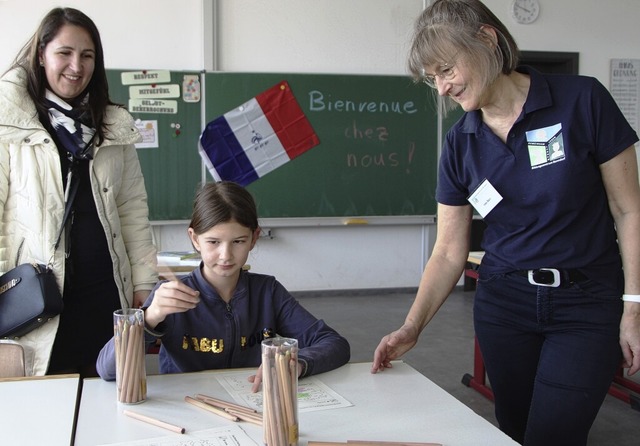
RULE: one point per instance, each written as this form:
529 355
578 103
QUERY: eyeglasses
447 72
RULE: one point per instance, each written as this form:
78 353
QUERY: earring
42 63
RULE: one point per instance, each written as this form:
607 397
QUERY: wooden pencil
210 408
155 422
268 408
223 404
279 420
325 443
244 416
388 443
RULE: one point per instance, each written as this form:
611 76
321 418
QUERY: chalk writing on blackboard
377 153
319 102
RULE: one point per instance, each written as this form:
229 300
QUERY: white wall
322 36
163 34
325 36
370 36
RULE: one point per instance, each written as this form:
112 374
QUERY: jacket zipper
230 317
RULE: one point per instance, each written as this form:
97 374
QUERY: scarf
72 126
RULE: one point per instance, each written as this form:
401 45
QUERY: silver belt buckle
533 280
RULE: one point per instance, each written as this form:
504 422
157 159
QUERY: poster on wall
625 88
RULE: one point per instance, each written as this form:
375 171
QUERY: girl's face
224 249
69 61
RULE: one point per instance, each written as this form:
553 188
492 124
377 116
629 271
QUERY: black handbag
29 293
29 297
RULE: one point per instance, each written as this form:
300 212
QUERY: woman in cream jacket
109 238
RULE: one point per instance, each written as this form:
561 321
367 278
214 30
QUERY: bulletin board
171 164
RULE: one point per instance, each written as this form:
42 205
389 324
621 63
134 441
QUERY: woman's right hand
170 297
393 346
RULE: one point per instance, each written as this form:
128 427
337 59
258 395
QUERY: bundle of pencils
280 391
131 377
225 409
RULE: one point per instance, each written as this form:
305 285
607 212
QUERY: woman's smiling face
463 87
69 61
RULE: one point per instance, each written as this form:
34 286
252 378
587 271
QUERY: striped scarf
72 126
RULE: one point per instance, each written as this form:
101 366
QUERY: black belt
552 277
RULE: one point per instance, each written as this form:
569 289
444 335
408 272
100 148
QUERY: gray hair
453 29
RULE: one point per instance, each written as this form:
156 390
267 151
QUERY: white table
399 404
38 410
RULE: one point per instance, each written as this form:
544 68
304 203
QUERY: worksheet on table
221 436
313 394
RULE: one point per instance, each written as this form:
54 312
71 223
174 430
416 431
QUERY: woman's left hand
630 337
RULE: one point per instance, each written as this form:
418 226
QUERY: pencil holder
280 391
131 375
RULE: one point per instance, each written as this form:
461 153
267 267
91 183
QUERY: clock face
525 11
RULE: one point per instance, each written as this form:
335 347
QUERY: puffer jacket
32 204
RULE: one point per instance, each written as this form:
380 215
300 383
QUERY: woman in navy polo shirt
549 162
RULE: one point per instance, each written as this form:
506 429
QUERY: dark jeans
550 355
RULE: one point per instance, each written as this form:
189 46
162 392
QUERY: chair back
11 359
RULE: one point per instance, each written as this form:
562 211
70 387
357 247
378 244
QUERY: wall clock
525 11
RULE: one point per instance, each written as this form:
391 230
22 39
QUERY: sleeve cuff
304 366
154 333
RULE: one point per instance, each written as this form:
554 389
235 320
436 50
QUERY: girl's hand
257 378
170 297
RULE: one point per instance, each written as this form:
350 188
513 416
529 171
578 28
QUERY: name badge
485 198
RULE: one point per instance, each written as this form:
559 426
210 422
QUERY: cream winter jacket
32 204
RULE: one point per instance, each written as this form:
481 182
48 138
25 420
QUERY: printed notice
145 77
625 88
149 132
154 91
153 106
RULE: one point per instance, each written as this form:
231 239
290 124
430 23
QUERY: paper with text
313 394
221 436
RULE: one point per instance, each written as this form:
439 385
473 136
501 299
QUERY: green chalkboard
377 153
172 170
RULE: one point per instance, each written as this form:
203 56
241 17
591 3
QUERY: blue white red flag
257 137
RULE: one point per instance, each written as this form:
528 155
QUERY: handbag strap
70 194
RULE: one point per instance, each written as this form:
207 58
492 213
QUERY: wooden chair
11 359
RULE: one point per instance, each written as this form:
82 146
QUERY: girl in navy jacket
217 316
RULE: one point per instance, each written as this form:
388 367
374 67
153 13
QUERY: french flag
257 137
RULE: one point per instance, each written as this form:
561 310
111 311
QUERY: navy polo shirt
554 212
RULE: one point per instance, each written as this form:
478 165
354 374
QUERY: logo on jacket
208 345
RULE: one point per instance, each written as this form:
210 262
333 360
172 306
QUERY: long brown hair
223 202
29 60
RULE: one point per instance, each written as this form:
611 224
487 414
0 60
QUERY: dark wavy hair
29 60
223 202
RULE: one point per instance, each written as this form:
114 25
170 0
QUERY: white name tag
485 198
